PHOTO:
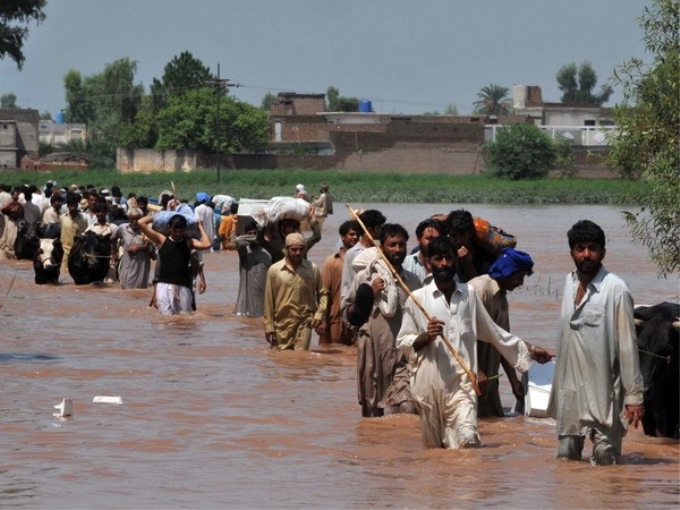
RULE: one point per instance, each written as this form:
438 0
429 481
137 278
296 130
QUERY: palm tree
493 100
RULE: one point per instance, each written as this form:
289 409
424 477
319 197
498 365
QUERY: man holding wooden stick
447 312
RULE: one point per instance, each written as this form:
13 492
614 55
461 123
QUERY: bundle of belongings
492 239
161 221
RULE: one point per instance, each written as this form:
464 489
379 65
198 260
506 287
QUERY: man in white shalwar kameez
206 214
442 392
598 388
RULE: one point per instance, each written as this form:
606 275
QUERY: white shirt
465 320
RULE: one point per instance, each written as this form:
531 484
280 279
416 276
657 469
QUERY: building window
589 123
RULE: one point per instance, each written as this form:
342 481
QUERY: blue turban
201 196
510 262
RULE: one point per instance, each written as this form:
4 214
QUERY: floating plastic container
538 390
65 409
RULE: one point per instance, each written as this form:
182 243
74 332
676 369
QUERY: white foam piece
102 399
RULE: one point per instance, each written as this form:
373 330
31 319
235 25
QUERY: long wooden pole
454 353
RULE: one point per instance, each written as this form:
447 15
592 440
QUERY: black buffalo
89 258
47 261
28 240
658 343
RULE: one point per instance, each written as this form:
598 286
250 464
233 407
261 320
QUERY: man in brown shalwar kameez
382 371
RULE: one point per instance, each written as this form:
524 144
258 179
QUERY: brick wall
417 158
149 160
403 157
409 148
305 129
439 137
298 104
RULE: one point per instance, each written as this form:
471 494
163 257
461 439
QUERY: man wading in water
174 294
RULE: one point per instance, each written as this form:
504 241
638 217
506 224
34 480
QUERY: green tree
520 151
143 131
182 74
121 97
451 109
15 15
106 102
337 103
79 108
577 84
647 141
268 100
190 121
565 157
8 100
493 100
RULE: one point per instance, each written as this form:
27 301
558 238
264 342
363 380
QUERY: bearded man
376 296
443 394
295 299
597 389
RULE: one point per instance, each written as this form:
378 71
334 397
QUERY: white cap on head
301 188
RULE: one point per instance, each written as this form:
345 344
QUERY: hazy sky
404 56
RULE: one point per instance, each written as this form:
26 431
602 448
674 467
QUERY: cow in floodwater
89 258
658 329
47 261
27 240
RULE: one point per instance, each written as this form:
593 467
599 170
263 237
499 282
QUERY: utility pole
220 85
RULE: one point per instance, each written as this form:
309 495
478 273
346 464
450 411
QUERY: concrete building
18 135
59 134
304 135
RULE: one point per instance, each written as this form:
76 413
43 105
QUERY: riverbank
357 186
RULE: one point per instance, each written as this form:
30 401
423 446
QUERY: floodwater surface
211 418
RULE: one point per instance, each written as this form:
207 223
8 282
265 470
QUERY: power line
220 85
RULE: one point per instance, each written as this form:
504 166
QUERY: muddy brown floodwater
213 419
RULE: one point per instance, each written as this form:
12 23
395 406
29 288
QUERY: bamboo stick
454 353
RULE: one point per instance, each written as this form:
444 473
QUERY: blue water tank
60 118
365 106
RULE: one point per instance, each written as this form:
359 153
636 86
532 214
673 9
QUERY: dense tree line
180 111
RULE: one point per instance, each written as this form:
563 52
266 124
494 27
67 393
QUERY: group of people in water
430 326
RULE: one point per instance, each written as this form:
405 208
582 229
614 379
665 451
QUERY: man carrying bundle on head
478 243
174 284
